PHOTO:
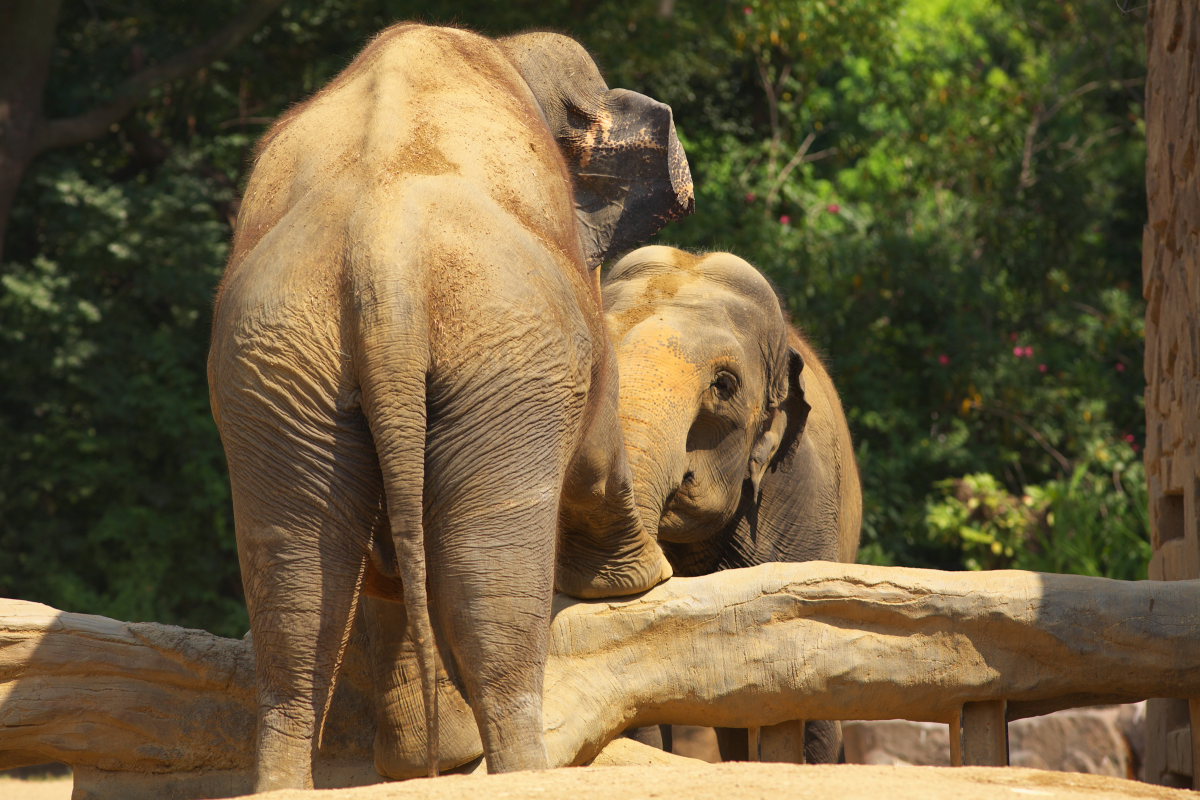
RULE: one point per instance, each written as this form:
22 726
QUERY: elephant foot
398 759
284 759
400 753
587 573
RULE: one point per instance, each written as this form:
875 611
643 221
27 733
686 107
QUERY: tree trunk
26 43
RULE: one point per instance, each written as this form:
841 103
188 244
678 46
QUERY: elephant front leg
823 742
605 549
606 554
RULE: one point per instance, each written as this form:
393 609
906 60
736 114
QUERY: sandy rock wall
1098 741
1171 274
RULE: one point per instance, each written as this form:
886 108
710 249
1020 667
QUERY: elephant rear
407 360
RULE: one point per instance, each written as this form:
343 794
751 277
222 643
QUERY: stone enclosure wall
1171 249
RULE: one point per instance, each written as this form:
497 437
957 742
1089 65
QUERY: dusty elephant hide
410 374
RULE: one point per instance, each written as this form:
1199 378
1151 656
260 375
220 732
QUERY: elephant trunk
655 425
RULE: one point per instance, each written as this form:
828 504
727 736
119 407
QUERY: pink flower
1028 352
1042 368
1136 447
751 197
785 220
943 359
1120 367
748 10
1128 437
833 208
1018 351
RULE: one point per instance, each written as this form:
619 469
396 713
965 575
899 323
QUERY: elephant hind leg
492 598
500 440
305 495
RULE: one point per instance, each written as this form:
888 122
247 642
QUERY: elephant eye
725 384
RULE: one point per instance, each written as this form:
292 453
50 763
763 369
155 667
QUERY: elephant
739 446
410 374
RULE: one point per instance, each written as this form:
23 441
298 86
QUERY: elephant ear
631 175
628 169
795 408
784 424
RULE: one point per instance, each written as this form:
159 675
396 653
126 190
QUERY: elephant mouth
683 520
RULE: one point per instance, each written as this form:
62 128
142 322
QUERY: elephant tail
393 364
410 554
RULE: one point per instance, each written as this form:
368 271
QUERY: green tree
957 223
924 180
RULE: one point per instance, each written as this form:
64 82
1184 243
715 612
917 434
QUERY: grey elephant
410 373
740 449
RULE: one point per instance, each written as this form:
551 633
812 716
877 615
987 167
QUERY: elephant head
629 172
738 445
737 441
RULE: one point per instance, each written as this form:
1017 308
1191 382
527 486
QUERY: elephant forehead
676 354
738 276
654 338
696 299
658 271
706 314
632 302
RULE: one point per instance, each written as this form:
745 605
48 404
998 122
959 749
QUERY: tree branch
801 156
772 106
739 648
26 42
87 126
1035 434
1044 115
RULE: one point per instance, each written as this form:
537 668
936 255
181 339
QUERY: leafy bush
113 483
950 199
1093 522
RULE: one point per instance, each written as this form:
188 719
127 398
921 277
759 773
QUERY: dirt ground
717 782
57 788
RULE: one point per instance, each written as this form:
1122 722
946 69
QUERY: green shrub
1092 522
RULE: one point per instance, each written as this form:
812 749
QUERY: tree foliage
947 193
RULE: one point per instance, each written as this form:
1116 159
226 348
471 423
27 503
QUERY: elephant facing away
738 443
411 377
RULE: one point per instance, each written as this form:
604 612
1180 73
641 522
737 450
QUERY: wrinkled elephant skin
411 377
738 443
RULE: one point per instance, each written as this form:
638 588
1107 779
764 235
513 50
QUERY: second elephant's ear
796 405
630 172
784 424
792 415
